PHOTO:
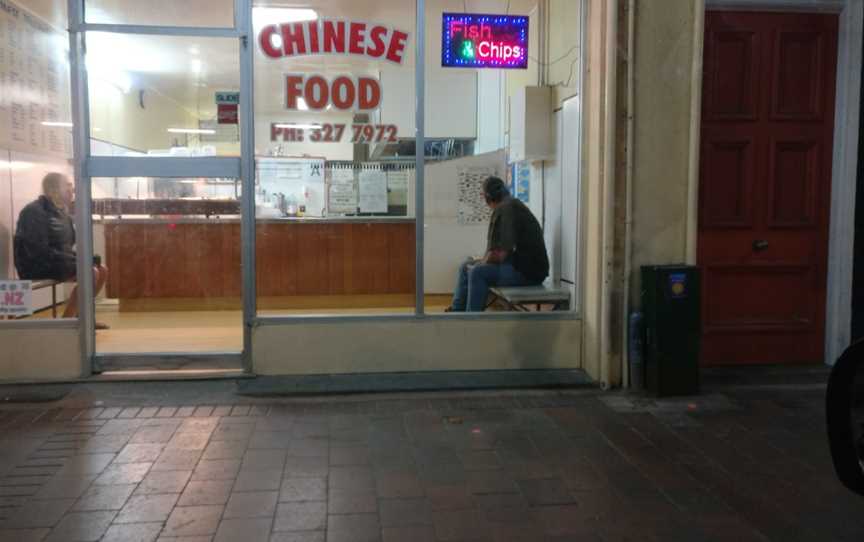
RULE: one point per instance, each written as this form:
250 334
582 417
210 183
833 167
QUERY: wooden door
765 178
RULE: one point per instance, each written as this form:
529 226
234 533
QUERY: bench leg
53 301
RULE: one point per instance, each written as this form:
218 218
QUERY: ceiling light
195 64
191 131
15 165
58 124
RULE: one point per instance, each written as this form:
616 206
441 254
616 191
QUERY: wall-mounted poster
373 191
35 115
343 191
520 181
472 208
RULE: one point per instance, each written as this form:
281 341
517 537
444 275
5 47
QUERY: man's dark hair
495 190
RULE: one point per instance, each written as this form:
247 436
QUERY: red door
765 179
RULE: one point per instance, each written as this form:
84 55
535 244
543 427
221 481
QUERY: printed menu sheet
343 191
373 191
35 112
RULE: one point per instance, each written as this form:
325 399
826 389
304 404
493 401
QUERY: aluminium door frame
844 165
88 166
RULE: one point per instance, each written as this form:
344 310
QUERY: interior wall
117 117
44 353
446 344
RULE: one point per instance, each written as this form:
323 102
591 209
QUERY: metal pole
83 203
420 155
243 18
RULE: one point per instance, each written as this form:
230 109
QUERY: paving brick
62 487
111 497
245 530
303 489
193 521
206 493
156 482
81 527
133 532
38 514
126 473
255 504
217 469
147 508
258 480
301 516
353 528
342 501
408 534
405 512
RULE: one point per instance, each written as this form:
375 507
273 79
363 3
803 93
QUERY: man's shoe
101 326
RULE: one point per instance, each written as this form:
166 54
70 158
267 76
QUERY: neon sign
484 41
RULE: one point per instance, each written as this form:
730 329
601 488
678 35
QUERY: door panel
765 174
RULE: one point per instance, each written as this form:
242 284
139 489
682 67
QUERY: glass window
334 120
506 122
36 180
178 99
172 250
199 13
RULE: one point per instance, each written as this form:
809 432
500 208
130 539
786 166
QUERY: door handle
759 245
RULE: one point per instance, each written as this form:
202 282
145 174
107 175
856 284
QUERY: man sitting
515 253
45 240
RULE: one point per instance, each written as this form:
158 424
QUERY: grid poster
34 85
472 208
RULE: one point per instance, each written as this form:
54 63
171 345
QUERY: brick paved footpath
741 464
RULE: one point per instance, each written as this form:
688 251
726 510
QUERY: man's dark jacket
44 242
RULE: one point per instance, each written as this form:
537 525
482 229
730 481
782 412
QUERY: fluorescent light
14 165
58 124
300 126
196 65
263 16
191 131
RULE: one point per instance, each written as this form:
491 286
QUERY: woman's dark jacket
44 242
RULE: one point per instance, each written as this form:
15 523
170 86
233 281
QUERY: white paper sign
398 180
16 298
343 192
373 191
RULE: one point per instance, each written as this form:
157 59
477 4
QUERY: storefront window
180 99
36 180
506 124
198 13
172 250
334 121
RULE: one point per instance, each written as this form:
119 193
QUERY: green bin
671 300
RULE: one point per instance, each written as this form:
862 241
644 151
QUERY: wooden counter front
201 260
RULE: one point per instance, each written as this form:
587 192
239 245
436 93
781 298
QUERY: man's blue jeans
474 281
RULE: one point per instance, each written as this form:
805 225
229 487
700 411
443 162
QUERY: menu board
343 191
34 85
300 181
373 191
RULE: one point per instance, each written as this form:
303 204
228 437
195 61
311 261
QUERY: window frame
87 167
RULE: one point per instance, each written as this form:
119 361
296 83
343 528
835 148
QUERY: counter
194 263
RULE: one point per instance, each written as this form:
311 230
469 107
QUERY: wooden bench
522 298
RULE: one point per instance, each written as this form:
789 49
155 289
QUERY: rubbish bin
671 300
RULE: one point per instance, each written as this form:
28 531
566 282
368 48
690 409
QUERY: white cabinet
532 134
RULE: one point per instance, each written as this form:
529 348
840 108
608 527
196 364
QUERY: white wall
444 344
47 353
